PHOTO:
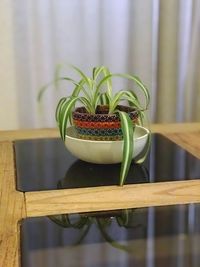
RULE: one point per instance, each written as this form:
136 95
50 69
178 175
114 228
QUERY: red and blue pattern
101 126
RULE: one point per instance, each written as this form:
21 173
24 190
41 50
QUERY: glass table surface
166 236
45 164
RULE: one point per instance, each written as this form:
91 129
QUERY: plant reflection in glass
82 174
127 218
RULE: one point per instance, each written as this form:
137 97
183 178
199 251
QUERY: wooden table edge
52 202
12 208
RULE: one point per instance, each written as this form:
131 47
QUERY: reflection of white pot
103 152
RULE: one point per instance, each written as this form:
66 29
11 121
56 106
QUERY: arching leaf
127 130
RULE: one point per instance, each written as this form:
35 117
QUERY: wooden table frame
15 205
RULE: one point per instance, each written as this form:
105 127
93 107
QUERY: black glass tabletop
147 237
45 164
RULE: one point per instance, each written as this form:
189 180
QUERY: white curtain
157 40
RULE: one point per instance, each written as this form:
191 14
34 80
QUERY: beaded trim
99 132
98 125
101 117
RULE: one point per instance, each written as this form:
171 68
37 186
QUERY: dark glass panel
147 237
45 164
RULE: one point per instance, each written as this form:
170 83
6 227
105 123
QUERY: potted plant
101 115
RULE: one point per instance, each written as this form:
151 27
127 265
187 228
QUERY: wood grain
111 197
175 127
189 141
11 209
28 134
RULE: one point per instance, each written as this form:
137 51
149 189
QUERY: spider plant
98 90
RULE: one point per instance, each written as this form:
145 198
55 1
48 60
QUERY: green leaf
96 72
124 95
59 107
89 107
57 75
43 89
78 88
65 115
132 102
65 109
109 81
141 116
132 94
105 79
104 100
138 82
127 130
84 77
129 77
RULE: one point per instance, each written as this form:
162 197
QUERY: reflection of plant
111 241
81 174
124 218
82 223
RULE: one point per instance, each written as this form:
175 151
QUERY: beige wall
8 93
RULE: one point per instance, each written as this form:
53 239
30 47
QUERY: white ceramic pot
103 152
